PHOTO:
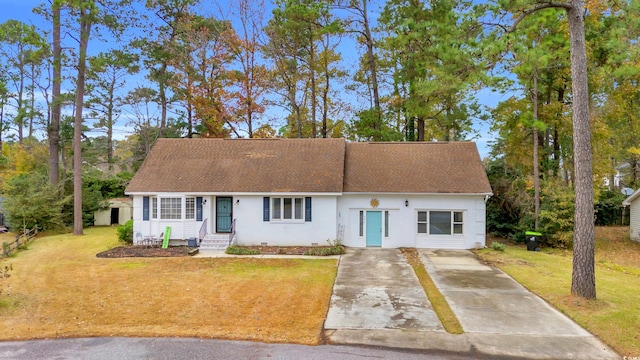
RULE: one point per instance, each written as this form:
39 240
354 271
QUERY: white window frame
154 208
190 208
456 227
294 212
169 210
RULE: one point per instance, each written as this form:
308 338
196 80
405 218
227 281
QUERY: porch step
215 242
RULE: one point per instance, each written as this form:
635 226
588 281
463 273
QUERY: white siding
250 227
634 223
252 230
180 229
403 219
333 217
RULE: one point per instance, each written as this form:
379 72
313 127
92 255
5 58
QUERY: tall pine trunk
54 125
536 160
85 29
583 281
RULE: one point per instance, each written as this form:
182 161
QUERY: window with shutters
287 208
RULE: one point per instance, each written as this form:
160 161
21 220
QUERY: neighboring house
119 212
306 191
633 201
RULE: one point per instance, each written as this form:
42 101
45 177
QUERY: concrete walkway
377 300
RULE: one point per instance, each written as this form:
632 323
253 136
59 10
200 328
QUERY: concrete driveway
377 300
500 317
377 289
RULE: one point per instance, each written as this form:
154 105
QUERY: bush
237 250
498 246
125 232
335 248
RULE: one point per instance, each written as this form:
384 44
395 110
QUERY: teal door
374 228
223 214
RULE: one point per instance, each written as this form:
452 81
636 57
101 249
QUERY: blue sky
22 10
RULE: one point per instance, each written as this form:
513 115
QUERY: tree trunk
54 126
312 64
583 282
371 59
420 126
85 28
536 161
163 99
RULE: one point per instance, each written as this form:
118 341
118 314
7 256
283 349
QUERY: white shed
633 202
119 212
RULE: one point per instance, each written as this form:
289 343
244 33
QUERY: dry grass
60 289
615 316
439 303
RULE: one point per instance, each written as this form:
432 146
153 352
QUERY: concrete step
215 242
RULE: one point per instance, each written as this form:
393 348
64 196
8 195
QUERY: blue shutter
265 209
307 209
145 208
199 208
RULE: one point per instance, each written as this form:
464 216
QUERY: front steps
214 242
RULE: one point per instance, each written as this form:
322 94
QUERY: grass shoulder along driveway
58 288
614 316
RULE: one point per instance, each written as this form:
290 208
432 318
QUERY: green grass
615 315
448 319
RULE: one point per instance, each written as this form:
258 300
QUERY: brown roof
415 167
310 165
242 165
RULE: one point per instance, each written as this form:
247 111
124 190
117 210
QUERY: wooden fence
22 239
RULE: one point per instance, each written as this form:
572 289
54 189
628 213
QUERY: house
119 212
303 192
633 201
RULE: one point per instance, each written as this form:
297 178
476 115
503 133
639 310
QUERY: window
299 208
422 222
386 224
287 209
440 222
457 222
170 208
277 212
154 208
361 223
190 208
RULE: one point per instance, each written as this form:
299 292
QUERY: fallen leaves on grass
65 291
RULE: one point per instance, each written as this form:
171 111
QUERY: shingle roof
242 165
415 167
310 165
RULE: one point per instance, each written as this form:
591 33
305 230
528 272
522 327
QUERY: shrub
125 232
335 248
237 250
498 246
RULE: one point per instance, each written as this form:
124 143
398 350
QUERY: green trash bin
533 240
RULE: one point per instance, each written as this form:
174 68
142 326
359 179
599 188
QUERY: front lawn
59 288
615 315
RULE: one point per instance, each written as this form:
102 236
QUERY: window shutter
145 208
199 208
265 208
307 209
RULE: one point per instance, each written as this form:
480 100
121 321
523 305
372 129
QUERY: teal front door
223 214
374 228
